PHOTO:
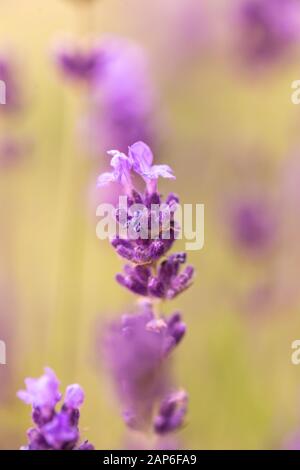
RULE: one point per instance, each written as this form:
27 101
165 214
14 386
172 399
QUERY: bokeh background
229 130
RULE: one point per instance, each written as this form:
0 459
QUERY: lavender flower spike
79 64
54 430
136 350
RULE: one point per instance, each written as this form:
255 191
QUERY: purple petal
42 391
141 157
160 170
106 178
74 396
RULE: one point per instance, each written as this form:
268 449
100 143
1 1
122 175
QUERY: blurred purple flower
10 76
136 351
54 430
122 101
268 28
171 413
77 63
253 225
292 442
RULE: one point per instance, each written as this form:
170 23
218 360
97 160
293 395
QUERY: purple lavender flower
9 75
171 412
292 442
253 225
42 392
136 350
122 101
54 430
167 284
12 150
79 64
268 27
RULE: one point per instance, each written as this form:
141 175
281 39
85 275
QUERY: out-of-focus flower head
137 347
189 29
172 412
253 225
54 430
136 352
123 101
183 32
78 62
139 160
268 28
9 75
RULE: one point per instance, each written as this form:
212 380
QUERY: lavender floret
55 430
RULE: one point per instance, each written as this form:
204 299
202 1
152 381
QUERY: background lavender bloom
171 413
253 225
136 352
75 62
54 430
9 74
268 28
123 101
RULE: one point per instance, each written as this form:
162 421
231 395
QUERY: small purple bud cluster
254 225
138 347
167 284
268 28
142 247
121 94
54 430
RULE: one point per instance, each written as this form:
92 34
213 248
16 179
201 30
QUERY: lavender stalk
138 347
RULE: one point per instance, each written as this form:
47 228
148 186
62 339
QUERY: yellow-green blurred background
226 128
